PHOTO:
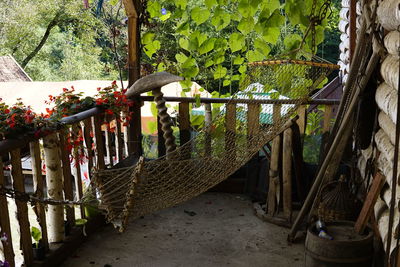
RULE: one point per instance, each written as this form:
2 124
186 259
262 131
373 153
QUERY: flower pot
39 252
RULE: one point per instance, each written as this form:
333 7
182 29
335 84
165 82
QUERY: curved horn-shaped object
151 82
154 82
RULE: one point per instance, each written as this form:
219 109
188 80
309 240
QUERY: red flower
65 90
109 111
114 83
6 111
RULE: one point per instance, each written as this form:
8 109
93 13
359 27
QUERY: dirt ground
213 229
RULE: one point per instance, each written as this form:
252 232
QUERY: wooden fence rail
104 148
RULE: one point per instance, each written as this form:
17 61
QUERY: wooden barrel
347 249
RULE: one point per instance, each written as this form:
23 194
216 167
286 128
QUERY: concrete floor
213 229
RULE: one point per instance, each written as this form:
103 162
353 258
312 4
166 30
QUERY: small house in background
11 71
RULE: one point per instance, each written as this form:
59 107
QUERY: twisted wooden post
154 82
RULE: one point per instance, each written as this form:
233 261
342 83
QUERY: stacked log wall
382 150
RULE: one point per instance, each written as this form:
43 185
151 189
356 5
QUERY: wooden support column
253 128
287 173
109 147
207 125
274 183
87 129
184 127
160 139
54 187
302 121
5 228
230 126
22 207
99 142
119 146
77 169
66 169
38 187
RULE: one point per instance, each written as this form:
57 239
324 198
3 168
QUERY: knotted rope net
238 131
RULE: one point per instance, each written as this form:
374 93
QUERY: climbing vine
213 40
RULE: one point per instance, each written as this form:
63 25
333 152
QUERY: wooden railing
67 183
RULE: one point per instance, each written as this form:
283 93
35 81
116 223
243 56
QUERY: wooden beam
207 126
99 142
184 127
22 207
38 187
369 203
287 173
130 8
5 222
230 126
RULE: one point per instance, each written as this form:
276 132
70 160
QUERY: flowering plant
19 119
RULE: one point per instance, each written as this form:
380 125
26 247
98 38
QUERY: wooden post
99 142
118 140
160 139
253 122
5 222
22 207
287 173
184 127
230 126
302 121
66 170
274 183
274 176
107 133
77 169
87 128
38 187
207 125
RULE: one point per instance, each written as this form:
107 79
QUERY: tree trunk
46 35
54 181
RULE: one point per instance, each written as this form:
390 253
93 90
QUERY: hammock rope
193 168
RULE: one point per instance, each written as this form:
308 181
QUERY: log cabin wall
382 148
344 46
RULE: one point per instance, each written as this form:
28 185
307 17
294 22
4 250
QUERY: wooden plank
119 143
77 169
135 131
184 128
302 121
368 206
230 126
273 189
5 222
253 122
99 142
298 162
38 188
109 148
66 169
87 129
287 173
328 112
160 139
207 125
22 207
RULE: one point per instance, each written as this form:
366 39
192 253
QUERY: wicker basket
337 203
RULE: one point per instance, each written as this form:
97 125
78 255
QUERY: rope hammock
215 152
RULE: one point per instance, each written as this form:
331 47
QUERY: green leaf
207 46
254 56
80 222
153 109
183 28
243 69
248 8
236 41
184 43
147 38
210 3
271 35
246 25
154 8
238 60
181 3
209 63
262 47
152 48
198 37
181 58
36 234
220 72
292 41
200 15
226 82
220 19
219 58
